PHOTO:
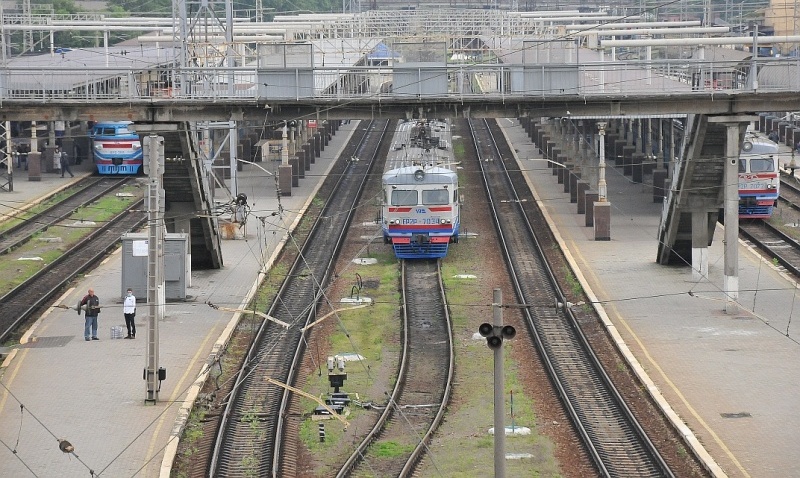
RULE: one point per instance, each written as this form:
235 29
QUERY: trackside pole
154 155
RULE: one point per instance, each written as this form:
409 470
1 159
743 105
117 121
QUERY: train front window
435 197
401 197
742 165
762 165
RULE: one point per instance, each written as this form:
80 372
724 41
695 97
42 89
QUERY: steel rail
89 191
425 320
273 350
24 300
613 437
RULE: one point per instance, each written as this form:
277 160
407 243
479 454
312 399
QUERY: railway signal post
495 333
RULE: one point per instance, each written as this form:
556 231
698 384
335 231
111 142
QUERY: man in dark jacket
92 303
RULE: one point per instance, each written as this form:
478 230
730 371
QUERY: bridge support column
735 126
699 245
731 281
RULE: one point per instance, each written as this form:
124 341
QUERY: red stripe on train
399 209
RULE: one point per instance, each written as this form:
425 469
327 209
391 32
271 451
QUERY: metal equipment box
176 265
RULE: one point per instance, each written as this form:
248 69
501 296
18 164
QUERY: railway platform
732 379
29 193
57 386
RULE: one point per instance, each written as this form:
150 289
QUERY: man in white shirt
129 309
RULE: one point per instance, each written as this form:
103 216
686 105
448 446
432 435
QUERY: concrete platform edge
688 436
171 449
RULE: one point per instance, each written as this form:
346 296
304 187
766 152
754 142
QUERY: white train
759 183
421 204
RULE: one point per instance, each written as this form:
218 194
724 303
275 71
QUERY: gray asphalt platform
92 393
733 379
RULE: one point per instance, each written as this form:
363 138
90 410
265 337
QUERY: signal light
509 332
496 334
494 342
485 329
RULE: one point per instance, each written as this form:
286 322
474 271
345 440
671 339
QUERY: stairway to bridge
187 199
697 192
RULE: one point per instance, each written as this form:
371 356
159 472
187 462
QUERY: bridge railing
606 79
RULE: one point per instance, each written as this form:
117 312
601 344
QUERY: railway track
250 439
25 300
612 436
90 190
425 378
773 242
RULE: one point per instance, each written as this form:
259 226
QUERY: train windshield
435 197
766 165
402 197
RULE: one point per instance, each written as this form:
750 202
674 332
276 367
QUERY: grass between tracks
370 332
50 244
18 216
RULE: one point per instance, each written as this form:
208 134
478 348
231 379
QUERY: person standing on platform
64 159
22 152
92 303
129 310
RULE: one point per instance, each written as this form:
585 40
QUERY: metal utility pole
499 385
233 146
6 160
154 158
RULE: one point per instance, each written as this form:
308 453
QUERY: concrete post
731 280
700 245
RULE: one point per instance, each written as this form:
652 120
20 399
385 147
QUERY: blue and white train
759 183
116 149
421 204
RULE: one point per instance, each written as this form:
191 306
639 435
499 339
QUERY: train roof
409 175
755 145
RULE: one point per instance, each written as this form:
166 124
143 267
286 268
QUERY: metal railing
606 79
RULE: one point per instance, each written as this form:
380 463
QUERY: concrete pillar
285 179
659 185
317 144
627 160
573 186
699 245
310 159
602 221
301 164
619 145
583 186
35 166
561 172
637 168
568 172
590 198
295 172
731 279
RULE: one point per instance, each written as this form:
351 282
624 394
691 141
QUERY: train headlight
419 175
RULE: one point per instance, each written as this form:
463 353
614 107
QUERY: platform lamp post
602 191
495 333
